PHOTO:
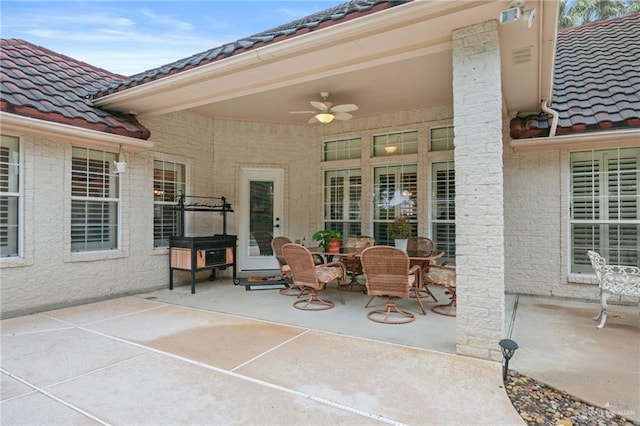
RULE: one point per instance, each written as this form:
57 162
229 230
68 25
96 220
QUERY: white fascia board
25 126
599 140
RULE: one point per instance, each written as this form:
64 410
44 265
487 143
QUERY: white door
260 217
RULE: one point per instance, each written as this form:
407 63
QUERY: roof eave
346 33
25 126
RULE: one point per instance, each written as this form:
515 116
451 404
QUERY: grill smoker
197 254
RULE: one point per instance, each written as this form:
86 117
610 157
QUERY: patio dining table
423 261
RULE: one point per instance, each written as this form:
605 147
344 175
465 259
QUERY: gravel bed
540 404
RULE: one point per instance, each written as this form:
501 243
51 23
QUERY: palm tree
633 6
578 12
565 18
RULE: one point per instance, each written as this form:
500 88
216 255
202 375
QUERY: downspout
554 117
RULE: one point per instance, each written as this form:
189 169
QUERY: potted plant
327 239
400 231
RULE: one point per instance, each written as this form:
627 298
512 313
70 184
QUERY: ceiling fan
326 112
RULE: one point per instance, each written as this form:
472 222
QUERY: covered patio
229 356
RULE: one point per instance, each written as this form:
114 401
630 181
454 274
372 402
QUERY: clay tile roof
346 11
596 81
45 85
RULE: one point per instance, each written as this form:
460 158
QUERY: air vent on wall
522 55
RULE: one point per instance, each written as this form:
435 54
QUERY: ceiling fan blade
344 108
313 120
302 112
342 116
322 106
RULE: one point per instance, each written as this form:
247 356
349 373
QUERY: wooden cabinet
196 254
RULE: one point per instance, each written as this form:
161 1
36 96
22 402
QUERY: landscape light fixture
508 349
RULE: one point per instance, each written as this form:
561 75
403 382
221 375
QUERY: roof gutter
26 126
580 141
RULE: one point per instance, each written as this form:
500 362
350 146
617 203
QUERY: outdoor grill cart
197 254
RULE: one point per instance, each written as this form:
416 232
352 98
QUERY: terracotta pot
334 246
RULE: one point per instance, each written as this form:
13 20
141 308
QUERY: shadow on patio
175 357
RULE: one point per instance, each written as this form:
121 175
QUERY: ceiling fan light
325 117
390 149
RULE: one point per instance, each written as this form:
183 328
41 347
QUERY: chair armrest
415 269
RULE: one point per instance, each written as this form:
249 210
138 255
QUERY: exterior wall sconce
121 164
325 117
390 149
508 347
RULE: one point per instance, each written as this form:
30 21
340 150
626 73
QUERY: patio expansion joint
53 397
270 350
251 379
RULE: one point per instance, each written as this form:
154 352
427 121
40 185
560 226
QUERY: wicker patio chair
389 275
263 239
285 270
445 275
423 247
352 262
312 278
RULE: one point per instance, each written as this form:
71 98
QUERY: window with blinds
343 149
9 196
95 201
443 207
395 193
343 201
168 184
604 207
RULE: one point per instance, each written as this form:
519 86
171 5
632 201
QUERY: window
9 196
342 201
441 139
94 201
443 207
605 196
395 144
168 185
395 194
342 149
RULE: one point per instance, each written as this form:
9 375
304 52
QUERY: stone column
477 106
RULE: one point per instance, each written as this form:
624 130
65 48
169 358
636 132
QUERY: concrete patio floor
229 356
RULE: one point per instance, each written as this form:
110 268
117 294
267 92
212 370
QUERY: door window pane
443 207
395 194
342 201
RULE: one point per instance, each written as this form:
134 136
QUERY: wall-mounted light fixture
325 117
121 164
515 11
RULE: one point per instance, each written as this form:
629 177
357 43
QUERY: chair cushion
327 274
442 276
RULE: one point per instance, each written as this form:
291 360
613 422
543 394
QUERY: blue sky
132 36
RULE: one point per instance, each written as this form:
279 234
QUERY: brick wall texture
511 207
